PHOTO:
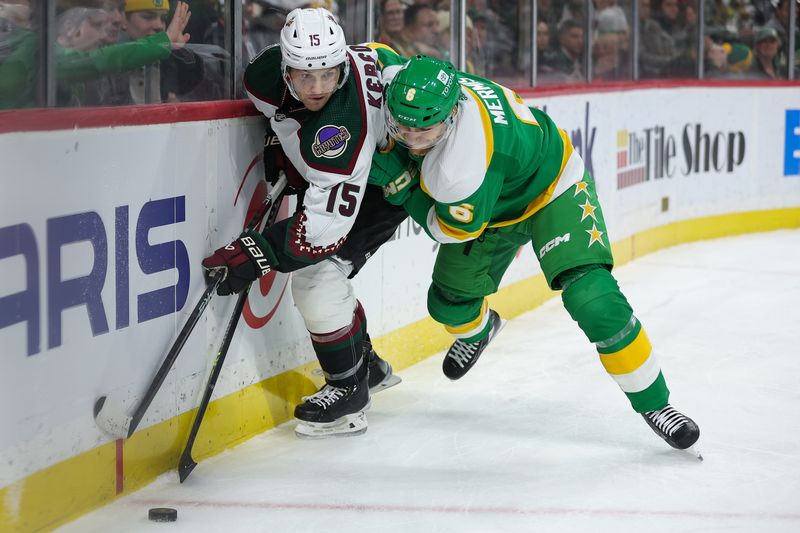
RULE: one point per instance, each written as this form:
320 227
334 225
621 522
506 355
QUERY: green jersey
501 163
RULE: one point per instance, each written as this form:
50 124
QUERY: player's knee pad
324 296
446 307
594 301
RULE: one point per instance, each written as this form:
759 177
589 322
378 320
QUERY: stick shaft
194 317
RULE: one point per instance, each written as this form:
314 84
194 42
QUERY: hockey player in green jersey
485 174
323 99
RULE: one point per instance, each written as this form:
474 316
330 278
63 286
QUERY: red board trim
52 119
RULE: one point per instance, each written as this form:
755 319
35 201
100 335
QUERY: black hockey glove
275 161
242 262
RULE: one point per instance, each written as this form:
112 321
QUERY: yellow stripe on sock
460 331
629 358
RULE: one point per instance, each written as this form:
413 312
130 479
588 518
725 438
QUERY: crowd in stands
115 52
118 52
743 39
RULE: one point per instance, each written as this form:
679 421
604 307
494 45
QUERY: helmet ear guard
312 39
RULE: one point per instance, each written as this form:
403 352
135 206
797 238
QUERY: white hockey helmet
312 39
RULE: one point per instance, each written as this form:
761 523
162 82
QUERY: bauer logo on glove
242 262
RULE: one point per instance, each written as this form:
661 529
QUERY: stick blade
111 418
185 466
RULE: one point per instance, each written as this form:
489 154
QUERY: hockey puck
162 514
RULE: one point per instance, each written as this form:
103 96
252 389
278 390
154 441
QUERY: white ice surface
537 437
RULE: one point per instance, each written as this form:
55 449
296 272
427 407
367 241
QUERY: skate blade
347 426
694 452
389 381
494 334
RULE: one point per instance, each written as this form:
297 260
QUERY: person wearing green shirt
483 174
19 51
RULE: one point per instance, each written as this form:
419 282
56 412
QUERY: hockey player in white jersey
323 99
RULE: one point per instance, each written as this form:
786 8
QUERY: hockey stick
187 463
110 416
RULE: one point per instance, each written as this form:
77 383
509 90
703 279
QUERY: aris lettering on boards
20 240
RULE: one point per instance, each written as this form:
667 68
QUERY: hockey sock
369 353
474 330
340 352
594 301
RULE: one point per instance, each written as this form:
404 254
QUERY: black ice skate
333 412
380 374
463 355
677 429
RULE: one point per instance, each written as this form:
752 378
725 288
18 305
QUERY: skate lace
327 396
668 419
462 352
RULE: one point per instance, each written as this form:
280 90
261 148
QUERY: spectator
608 8
685 64
766 53
780 22
115 20
81 28
716 59
573 10
727 60
81 60
568 59
738 58
167 80
548 14
420 33
261 27
663 40
762 11
15 13
544 52
475 54
391 23
611 58
496 37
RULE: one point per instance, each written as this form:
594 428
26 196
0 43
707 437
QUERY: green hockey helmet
422 95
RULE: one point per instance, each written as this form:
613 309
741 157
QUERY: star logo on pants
595 235
588 211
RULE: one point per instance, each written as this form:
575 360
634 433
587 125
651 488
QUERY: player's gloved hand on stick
275 161
242 262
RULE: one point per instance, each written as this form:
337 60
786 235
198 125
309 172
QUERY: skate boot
677 429
380 373
333 412
463 355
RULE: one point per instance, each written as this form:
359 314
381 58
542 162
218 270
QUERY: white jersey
331 148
